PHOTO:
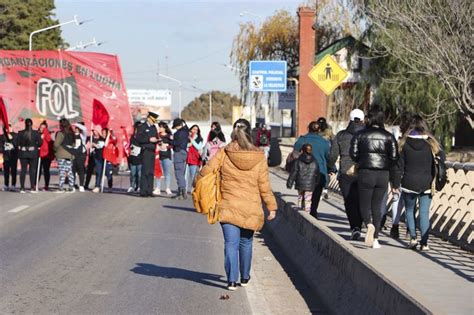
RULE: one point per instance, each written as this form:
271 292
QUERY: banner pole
38 170
105 163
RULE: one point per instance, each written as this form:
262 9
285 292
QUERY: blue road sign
267 76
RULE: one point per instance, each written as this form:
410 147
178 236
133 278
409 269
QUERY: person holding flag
147 138
111 156
97 148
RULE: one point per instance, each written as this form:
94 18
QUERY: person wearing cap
180 146
348 180
147 138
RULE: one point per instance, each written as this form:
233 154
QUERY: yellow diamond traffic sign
327 74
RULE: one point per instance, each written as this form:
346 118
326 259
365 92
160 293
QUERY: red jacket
194 157
47 149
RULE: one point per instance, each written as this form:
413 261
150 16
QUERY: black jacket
341 145
143 135
374 148
9 147
305 173
181 139
414 170
136 153
29 147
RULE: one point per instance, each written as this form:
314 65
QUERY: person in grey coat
347 181
305 175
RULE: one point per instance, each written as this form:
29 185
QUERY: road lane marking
18 209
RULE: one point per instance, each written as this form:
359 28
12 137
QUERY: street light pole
179 92
84 46
295 118
50 28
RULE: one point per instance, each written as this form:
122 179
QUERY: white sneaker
81 189
130 190
413 243
33 191
376 244
157 192
369 235
95 190
22 191
5 188
425 248
168 191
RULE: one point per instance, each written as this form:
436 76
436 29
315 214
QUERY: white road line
18 209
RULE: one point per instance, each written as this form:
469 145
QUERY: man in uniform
180 146
147 137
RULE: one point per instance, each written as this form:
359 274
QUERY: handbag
207 194
439 166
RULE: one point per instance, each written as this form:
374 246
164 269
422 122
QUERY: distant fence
451 212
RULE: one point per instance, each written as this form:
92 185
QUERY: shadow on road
179 208
178 273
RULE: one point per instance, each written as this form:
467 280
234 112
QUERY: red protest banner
3 114
48 85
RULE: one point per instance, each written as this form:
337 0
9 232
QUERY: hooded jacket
305 173
320 151
414 170
341 145
244 183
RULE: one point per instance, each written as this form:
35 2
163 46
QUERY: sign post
267 76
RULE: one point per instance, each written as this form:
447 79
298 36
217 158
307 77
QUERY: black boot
185 193
394 232
178 195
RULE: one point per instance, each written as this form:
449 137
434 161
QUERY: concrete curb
347 284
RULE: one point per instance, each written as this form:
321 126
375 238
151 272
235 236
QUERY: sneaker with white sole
81 189
60 191
232 286
22 191
376 244
168 191
130 190
369 235
425 248
95 190
157 192
244 282
5 188
413 244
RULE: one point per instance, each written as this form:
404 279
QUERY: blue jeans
190 175
99 164
166 165
180 168
135 174
237 251
424 205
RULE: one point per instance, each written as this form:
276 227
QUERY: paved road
87 253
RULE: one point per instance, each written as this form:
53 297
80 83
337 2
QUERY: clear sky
188 40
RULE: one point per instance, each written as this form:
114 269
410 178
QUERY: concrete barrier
336 273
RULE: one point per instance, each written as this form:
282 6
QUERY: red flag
111 152
100 116
125 143
3 114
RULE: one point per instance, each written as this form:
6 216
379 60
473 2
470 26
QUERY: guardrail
451 212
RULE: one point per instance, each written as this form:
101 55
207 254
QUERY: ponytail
241 135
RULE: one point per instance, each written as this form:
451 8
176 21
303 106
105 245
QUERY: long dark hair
218 131
241 135
165 126
28 128
199 139
65 126
376 117
418 125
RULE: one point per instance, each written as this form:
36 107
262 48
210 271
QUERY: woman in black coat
375 151
29 141
415 175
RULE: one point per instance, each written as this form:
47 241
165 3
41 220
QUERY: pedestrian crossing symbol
327 74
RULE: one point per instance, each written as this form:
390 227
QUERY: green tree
18 18
222 103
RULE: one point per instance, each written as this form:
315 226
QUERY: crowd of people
151 151
370 160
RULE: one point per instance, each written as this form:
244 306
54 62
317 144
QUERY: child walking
304 175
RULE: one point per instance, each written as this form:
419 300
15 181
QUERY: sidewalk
441 280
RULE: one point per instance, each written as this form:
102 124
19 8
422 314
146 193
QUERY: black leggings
78 166
373 184
44 169
32 163
318 190
90 170
350 193
9 169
